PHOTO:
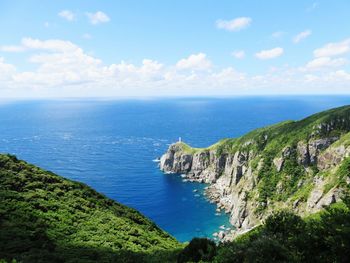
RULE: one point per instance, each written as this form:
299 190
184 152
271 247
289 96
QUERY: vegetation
286 237
199 249
46 218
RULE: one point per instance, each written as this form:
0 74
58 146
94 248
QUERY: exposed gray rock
316 146
332 157
278 162
221 234
303 153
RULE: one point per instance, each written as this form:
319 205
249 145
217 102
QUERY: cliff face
289 165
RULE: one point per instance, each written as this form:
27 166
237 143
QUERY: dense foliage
198 249
46 218
286 237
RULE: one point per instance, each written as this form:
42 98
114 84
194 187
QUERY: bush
199 249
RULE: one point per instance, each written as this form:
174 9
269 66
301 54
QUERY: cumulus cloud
236 24
238 54
270 53
62 68
341 74
302 35
323 62
67 15
194 62
98 17
333 49
50 45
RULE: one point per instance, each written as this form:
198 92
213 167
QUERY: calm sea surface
110 145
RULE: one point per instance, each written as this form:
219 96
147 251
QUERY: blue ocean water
110 145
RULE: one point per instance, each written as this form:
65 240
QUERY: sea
112 145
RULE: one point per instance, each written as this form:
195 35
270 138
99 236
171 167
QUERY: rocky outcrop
175 160
308 152
332 157
232 177
234 172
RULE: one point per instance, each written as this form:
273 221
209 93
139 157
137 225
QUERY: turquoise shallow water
110 146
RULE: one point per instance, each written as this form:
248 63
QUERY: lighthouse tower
180 139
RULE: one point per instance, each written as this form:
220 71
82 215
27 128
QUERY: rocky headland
295 165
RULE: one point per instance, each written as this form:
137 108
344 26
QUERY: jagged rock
286 152
316 146
278 162
329 198
221 234
332 157
303 153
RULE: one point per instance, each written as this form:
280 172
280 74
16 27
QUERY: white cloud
62 69
236 24
323 62
341 74
301 36
194 62
12 48
49 45
6 70
67 15
98 17
238 54
333 49
270 53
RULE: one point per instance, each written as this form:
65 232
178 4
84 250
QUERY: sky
152 48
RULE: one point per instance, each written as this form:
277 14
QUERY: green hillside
47 218
272 139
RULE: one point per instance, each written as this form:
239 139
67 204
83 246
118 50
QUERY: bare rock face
278 162
201 161
174 160
316 146
332 157
316 194
303 153
319 199
308 152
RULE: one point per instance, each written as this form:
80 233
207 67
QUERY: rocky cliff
292 165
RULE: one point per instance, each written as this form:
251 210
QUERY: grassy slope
46 218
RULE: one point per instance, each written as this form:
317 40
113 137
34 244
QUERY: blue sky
173 48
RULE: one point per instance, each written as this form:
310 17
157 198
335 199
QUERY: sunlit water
110 146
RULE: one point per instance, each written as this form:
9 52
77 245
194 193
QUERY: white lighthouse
180 139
